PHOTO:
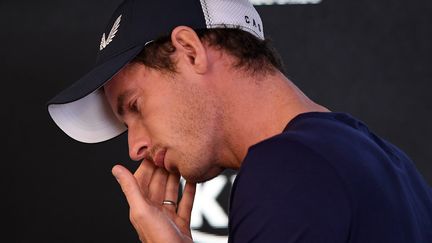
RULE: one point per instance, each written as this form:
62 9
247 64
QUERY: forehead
122 83
128 75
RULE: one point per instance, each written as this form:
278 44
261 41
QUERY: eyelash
133 106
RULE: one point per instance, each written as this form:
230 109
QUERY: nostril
141 151
138 143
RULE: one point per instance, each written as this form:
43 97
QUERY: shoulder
286 152
284 159
282 189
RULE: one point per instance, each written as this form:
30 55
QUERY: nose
138 141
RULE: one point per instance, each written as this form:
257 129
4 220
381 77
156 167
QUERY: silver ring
169 202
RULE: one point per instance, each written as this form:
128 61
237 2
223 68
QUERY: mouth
159 159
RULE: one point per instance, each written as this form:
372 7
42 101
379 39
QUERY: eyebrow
121 100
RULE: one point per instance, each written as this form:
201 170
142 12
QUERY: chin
202 177
191 168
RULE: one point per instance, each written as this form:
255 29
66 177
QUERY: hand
145 191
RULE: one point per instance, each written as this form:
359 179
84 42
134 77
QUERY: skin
198 121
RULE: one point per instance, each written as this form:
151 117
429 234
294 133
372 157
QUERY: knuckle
136 215
126 187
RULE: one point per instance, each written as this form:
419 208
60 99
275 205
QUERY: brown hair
251 53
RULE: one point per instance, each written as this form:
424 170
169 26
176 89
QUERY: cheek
159 115
190 124
178 117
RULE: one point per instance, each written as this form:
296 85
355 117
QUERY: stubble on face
180 116
196 133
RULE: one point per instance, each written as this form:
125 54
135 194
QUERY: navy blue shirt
327 178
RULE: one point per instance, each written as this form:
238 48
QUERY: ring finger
171 192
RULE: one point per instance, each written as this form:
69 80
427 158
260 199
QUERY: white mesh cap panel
233 13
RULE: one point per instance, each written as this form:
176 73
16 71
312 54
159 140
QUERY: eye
133 106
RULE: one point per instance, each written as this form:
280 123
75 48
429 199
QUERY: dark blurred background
370 58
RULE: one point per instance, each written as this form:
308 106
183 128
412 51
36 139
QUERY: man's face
173 120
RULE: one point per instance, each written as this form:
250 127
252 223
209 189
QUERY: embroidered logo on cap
104 42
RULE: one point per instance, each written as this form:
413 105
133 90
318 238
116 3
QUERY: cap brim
82 110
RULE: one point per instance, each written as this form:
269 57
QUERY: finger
129 187
144 174
171 191
185 207
157 185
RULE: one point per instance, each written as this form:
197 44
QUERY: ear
190 47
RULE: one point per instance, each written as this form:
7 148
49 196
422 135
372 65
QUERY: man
199 90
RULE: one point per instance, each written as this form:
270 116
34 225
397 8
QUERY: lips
160 158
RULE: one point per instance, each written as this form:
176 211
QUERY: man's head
202 43
81 110
171 97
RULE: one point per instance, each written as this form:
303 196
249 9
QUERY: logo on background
104 42
209 219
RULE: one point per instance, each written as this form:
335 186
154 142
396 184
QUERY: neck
258 108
